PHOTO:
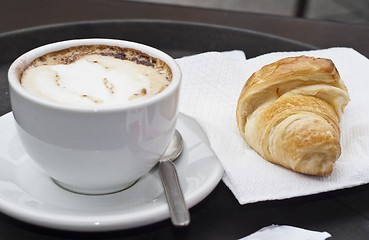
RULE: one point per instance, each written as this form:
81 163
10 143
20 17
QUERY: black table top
343 213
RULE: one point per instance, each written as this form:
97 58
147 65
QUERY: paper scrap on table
211 85
284 232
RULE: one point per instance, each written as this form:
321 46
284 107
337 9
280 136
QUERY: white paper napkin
211 86
283 232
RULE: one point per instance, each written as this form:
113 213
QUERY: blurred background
349 11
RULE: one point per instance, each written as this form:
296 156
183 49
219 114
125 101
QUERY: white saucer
28 194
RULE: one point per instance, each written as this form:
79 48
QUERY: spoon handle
179 213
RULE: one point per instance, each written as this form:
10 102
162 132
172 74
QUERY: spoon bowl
174 149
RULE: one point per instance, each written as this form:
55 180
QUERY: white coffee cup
94 150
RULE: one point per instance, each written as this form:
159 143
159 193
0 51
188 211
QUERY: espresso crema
96 75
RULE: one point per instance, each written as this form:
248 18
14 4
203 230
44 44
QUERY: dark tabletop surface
343 213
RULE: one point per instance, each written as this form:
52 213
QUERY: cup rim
25 59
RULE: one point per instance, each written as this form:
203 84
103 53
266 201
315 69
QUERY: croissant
289 113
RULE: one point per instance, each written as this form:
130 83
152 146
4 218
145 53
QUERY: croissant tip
314 167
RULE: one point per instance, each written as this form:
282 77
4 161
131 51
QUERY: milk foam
94 80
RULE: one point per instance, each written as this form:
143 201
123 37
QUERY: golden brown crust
289 112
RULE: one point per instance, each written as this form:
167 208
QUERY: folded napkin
211 86
284 232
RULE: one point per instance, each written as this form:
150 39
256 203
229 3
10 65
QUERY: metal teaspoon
179 213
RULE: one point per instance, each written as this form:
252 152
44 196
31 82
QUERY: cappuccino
96 75
108 138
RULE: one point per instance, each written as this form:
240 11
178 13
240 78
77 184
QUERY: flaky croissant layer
289 112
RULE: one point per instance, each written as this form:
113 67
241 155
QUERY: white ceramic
94 150
28 194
